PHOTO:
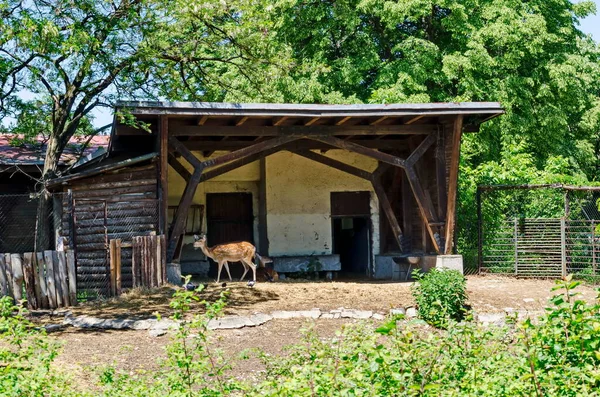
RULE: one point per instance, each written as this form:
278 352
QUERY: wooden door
229 219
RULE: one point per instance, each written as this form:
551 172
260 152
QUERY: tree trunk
44 233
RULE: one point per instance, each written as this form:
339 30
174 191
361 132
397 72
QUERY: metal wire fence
82 224
538 231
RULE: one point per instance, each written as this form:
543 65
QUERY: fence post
563 246
516 238
479 232
115 267
593 247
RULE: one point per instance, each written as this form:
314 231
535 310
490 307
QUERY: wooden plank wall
116 205
44 279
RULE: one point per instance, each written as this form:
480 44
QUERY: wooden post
163 171
41 273
440 162
479 232
71 270
52 298
389 212
163 256
135 262
263 235
29 277
453 184
17 276
4 289
115 267
57 282
516 238
158 261
62 277
9 275
563 246
593 247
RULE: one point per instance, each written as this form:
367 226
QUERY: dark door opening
351 227
229 219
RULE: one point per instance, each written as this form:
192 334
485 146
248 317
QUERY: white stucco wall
299 201
298 198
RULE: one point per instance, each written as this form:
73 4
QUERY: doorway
229 219
351 228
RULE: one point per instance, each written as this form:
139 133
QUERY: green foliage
557 355
440 295
25 356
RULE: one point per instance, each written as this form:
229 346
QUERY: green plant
440 296
25 356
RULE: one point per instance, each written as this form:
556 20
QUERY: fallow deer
242 252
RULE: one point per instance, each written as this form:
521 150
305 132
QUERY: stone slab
293 264
453 262
260 318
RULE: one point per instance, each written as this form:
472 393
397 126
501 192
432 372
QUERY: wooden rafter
163 171
342 120
421 149
379 120
279 121
241 121
353 147
180 148
414 119
453 184
440 167
312 121
279 130
179 168
425 206
231 144
202 120
319 158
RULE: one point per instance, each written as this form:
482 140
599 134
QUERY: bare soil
136 350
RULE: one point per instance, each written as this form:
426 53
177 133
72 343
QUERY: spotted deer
242 252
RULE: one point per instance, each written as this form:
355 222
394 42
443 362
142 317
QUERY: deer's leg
245 270
227 268
220 267
252 266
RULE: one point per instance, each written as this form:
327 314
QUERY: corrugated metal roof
310 110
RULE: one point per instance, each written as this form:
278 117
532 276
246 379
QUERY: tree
79 55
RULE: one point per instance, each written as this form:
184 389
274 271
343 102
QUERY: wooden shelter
397 160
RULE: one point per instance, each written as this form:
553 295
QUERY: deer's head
199 240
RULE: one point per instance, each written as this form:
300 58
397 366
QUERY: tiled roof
33 154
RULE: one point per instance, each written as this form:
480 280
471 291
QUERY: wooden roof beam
414 119
241 121
280 120
312 121
342 120
202 120
353 147
379 120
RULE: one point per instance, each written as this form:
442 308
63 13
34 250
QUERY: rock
411 312
397 311
491 318
528 300
118 324
337 315
260 318
234 322
284 314
165 324
53 327
327 316
310 313
157 332
357 314
378 316
509 310
144 324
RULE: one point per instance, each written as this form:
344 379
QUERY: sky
590 25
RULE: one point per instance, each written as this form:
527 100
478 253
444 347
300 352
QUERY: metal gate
540 247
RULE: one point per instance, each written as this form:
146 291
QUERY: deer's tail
262 261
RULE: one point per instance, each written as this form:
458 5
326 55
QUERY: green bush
557 355
440 296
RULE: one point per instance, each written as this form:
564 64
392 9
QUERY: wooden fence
149 260
47 280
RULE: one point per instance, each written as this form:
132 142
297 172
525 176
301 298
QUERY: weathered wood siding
117 205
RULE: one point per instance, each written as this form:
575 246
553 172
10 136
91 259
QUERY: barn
355 189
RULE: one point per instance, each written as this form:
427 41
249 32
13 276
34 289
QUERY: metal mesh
542 232
96 223
19 226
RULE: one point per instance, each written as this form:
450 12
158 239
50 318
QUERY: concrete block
293 264
428 262
453 262
195 268
384 267
174 273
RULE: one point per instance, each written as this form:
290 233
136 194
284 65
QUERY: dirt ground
486 294
136 350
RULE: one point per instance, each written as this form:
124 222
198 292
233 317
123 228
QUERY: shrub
440 296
